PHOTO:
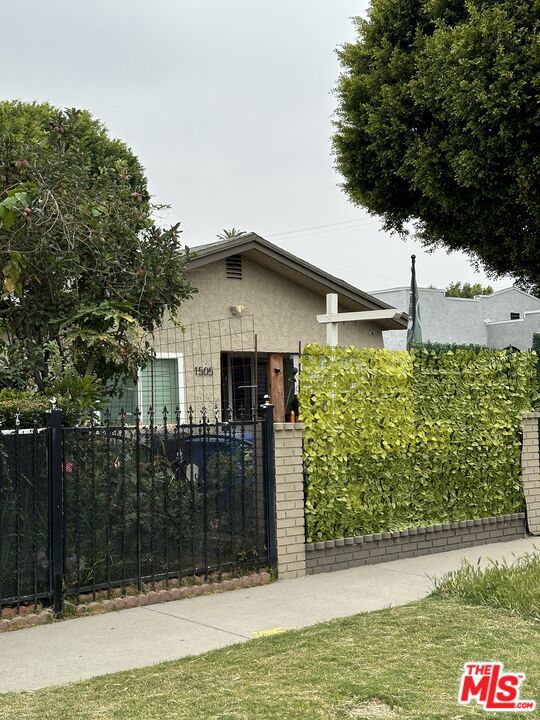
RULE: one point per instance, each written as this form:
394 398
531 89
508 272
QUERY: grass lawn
514 587
400 663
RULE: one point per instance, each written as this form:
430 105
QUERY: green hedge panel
399 439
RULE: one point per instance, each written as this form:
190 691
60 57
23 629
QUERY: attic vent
233 267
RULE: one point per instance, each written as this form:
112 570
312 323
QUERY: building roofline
407 288
508 289
206 254
469 300
393 289
473 299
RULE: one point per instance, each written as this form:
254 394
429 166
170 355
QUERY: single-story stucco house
242 333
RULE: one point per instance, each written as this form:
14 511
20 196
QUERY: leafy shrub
28 406
75 393
31 407
397 439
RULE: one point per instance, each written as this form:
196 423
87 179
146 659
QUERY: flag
414 328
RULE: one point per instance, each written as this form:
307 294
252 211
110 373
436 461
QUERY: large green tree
438 125
85 273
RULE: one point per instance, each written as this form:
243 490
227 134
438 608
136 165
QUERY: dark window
242 388
233 266
515 316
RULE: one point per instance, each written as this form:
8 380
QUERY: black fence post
269 475
138 494
56 507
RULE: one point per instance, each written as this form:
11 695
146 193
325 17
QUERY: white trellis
332 318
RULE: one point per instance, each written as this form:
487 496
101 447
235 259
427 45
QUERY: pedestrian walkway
85 647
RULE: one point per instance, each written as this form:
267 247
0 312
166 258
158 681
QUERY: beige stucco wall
284 312
279 311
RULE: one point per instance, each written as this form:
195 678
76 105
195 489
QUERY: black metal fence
120 504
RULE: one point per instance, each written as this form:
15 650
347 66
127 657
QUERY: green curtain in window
160 388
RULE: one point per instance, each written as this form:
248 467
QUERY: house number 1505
201 370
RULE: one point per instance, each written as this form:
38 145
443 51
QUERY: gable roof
282 261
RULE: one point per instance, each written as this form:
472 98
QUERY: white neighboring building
506 318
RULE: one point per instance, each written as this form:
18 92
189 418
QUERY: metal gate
105 506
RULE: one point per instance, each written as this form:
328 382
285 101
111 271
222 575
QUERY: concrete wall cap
288 426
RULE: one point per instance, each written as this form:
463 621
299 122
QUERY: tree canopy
85 273
438 126
467 290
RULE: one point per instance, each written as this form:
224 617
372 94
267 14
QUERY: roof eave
252 241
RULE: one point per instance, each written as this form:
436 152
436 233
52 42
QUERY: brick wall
290 523
530 462
296 558
384 547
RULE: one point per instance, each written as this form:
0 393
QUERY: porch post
276 385
332 330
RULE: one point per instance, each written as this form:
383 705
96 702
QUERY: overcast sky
228 104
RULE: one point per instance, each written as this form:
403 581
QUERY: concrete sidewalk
85 647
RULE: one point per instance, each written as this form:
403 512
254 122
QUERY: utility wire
320 227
